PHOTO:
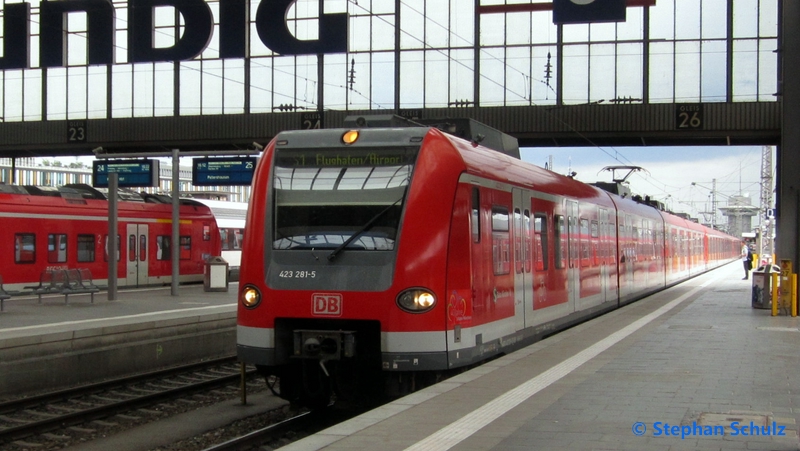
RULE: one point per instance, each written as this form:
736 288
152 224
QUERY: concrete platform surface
691 368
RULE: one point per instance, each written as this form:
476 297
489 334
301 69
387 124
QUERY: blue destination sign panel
130 173
223 171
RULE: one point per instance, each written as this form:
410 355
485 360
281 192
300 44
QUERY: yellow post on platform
794 295
775 280
786 285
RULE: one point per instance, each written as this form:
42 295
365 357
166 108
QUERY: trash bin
762 286
215 274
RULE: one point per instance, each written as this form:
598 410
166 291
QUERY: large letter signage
197 27
197 16
271 27
100 29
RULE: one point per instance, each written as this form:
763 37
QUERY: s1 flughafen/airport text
733 429
198 25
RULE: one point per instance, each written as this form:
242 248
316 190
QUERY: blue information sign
223 171
130 173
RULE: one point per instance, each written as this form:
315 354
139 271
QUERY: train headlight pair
416 300
250 296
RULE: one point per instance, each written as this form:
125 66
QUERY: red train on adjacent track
48 228
377 258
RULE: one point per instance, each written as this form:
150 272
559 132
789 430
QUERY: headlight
416 300
250 296
350 137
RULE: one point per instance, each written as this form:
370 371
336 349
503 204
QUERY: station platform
694 367
54 344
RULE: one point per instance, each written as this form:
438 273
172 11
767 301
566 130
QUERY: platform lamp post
713 190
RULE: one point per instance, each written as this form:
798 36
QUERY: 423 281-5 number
297 274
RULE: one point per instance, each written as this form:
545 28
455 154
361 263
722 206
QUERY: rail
18 418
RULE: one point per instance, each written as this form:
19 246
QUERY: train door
573 256
137 258
523 280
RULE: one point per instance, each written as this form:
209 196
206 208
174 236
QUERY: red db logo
328 304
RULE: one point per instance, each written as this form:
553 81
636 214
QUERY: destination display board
223 171
130 173
351 157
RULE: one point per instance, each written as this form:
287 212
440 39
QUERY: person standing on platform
747 259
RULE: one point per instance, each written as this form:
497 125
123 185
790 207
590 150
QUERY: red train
377 258
67 227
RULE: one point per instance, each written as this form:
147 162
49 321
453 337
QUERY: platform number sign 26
689 116
76 131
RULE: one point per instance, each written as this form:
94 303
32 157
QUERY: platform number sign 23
689 116
76 131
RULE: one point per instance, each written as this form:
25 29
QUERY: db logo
329 304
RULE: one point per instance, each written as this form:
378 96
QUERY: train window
499 219
500 240
321 201
540 241
142 248
527 252
56 248
105 247
163 244
186 247
475 218
85 248
24 248
231 239
206 232
238 235
223 236
131 248
518 232
584 234
559 242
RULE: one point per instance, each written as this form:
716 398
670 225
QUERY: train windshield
351 201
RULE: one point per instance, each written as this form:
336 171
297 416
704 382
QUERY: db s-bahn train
377 258
67 227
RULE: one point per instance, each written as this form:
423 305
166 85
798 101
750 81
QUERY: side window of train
186 247
86 248
206 232
132 248
105 247
223 235
24 248
163 244
56 248
584 234
594 228
475 219
518 241
527 252
560 244
500 240
540 230
238 235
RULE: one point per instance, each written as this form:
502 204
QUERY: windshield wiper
363 229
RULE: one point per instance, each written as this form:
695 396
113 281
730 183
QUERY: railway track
290 429
44 413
